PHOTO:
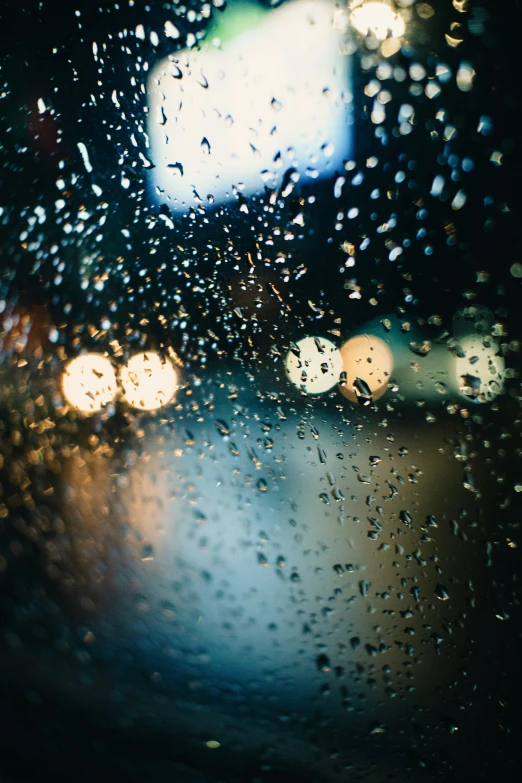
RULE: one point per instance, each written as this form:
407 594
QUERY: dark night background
47 735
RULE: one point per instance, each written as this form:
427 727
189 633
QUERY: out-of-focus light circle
368 359
89 383
314 365
378 19
255 81
475 321
480 372
148 382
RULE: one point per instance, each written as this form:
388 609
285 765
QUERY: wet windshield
259 389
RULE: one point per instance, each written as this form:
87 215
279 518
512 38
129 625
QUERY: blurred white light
368 358
148 382
89 383
480 372
314 365
275 99
378 19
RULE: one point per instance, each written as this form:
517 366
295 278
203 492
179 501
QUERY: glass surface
260 390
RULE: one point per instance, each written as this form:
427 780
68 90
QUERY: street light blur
234 116
148 382
379 19
367 358
89 383
314 365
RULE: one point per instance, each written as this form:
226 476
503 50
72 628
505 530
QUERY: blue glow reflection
234 119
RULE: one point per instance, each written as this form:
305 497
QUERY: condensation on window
260 390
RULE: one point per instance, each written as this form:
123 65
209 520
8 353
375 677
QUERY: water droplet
147 552
222 427
420 349
362 392
262 485
323 663
364 587
176 168
441 592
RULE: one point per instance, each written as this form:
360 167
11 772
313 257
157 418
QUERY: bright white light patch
314 365
85 156
148 382
368 358
378 19
480 373
275 99
89 383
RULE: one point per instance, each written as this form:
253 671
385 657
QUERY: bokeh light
314 365
148 382
89 383
480 370
378 19
267 108
368 359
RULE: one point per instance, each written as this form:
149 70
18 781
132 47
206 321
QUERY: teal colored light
239 16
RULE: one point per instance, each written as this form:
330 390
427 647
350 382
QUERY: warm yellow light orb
369 359
148 382
378 19
314 365
89 383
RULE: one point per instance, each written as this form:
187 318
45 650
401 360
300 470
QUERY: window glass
260 391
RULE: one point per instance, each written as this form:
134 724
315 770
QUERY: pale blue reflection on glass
239 114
